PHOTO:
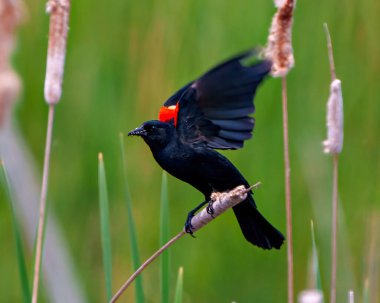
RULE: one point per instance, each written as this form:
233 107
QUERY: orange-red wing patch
169 113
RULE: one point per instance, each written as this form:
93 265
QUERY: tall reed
280 51
333 145
59 18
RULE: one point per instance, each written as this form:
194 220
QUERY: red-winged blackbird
210 113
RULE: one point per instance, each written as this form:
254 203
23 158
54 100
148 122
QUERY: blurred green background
124 59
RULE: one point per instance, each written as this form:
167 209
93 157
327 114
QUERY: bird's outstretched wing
214 110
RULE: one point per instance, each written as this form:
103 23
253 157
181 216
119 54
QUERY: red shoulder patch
169 113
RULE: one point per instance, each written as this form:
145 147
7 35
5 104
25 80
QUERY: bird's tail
256 229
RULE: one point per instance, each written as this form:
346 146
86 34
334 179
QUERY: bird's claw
188 227
210 208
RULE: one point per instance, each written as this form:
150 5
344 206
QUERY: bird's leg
190 215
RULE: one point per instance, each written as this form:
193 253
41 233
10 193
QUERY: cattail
333 145
10 86
59 19
279 51
351 297
11 15
279 3
310 296
223 201
334 142
279 47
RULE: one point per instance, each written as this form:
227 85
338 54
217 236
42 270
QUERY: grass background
124 59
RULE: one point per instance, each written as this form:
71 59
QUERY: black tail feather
256 229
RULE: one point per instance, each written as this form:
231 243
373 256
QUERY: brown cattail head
279 47
59 20
334 142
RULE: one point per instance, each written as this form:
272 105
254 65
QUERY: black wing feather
214 110
242 124
175 98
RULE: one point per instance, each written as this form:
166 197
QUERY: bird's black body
184 145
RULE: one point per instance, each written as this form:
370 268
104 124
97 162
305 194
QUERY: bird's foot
210 208
188 227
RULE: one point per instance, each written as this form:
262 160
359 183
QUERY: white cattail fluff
59 19
279 46
221 202
334 142
279 3
351 298
310 296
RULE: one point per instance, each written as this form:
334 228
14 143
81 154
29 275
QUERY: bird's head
155 133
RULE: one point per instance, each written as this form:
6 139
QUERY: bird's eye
149 128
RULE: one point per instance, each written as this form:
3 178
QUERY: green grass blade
164 237
366 291
179 287
17 234
315 260
131 228
105 228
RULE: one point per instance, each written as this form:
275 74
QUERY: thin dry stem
145 264
372 261
330 52
222 202
288 201
334 229
42 215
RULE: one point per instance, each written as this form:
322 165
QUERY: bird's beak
141 132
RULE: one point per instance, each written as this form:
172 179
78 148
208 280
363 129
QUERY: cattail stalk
372 261
42 215
334 230
280 51
221 203
59 17
288 201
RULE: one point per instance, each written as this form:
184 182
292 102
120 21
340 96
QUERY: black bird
210 113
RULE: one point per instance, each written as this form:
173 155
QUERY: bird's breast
204 169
